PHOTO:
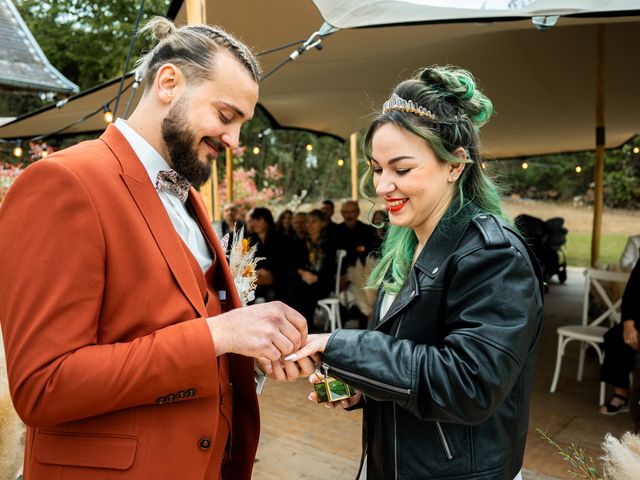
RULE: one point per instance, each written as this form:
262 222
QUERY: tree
87 41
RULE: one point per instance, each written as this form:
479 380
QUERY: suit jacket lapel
146 198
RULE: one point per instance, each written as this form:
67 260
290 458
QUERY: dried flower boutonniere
242 263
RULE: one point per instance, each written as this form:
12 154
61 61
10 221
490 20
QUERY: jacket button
181 394
204 443
191 392
170 398
160 400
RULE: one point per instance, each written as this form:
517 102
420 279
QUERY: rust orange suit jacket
102 315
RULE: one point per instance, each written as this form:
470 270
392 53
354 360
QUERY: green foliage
555 177
87 41
316 172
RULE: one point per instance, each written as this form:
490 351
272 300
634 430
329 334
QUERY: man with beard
126 354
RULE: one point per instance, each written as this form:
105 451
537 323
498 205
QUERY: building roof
23 64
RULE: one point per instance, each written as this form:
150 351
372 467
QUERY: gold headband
402 105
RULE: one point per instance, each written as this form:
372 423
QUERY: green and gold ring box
330 389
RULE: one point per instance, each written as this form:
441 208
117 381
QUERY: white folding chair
590 332
331 304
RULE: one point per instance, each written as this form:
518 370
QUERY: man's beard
180 143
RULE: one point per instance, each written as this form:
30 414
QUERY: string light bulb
578 169
256 150
525 165
107 113
636 150
309 147
340 162
17 150
484 165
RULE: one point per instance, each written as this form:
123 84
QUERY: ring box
332 390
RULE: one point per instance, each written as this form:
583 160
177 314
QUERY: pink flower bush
245 191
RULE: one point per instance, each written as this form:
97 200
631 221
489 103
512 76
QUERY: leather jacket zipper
445 444
375 383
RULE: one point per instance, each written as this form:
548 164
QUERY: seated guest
331 227
283 224
354 236
299 226
270 247
380 221
314 260
229 219
621 344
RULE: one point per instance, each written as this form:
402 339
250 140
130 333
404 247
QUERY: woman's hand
630 334
289 371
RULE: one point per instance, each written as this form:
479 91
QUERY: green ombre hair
460 109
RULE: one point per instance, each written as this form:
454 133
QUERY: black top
631 300
357 241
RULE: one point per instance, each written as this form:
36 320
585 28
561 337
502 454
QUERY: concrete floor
303 440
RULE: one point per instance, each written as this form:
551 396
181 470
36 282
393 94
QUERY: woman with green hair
445 370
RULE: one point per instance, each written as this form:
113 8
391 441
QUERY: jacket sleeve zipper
445 444
362 378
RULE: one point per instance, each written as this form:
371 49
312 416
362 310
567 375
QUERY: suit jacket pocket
77 450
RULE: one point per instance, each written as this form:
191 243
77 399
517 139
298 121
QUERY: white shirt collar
149 156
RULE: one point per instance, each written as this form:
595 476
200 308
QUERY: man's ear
167 81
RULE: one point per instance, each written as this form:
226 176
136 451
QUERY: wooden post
600 143
353 138
196 13
216 193
229 175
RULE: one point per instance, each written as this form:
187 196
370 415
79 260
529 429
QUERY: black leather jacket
447 372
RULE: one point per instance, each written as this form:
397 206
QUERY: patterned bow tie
172 182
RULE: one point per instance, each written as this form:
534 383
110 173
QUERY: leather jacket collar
442 243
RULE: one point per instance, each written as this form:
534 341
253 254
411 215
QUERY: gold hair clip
402 105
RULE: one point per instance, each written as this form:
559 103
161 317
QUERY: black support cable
132 42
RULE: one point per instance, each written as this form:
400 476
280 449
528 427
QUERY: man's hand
270 330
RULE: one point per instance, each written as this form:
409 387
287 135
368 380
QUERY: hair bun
459 84
160 28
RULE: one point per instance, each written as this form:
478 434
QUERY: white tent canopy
542 83
365 13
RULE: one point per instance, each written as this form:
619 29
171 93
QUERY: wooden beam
229 175
216 193
196 11
598 201
354 165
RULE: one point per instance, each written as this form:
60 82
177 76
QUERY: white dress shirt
183 222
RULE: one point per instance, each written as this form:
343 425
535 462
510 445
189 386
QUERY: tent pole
354 165
216 193
196 13
229 175
600 143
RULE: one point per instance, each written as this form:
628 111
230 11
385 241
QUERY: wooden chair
590 332
331 304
